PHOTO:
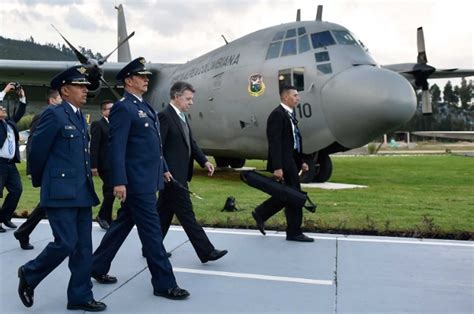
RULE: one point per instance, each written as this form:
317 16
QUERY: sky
181 30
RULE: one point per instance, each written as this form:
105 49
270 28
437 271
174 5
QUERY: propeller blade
420 41
110 88
426 107
298 15
319 14
104 59
82 59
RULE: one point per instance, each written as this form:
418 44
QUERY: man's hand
95 172
304 167
120 192
278 174
210 168
167 176
9 87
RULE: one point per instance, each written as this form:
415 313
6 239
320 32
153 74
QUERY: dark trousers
294 215
10 179
26 228
72 229
176 201
105 211
138 209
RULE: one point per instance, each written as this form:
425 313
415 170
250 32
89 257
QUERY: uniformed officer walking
137 173
60 164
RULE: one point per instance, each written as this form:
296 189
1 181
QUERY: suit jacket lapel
177 120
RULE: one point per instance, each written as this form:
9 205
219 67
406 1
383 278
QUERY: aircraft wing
407 70
40 73
448 73
457 135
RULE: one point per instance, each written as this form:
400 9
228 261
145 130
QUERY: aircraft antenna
223 37
319 13
298 15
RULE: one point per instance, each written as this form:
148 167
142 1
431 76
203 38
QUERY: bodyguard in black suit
180 151
138 170
285 161
22 234
9 156
100 164
60 164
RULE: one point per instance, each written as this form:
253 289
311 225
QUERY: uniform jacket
100 145
12 122
175 149
280 140
59 159
135 151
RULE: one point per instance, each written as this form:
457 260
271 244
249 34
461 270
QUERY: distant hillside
13 49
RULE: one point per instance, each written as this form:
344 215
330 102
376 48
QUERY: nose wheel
320 169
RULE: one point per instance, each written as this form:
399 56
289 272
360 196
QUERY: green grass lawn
422 196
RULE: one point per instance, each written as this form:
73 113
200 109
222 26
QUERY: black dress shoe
214 255
104 279
103 223
260 222
9 224
175 293
25 292
2 230
24 242
91 306
299 238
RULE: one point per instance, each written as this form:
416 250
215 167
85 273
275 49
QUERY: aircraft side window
279 36
298 78
273 50
322 39
301 31
303 43
321 56
290 33
345 38
289 47
284 77
293 77
324 68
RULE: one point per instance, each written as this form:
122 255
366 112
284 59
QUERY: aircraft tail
123 54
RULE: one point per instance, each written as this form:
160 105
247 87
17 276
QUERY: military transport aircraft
347 98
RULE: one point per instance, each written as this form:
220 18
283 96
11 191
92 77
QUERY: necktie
296 132
182 116
79 115
9 139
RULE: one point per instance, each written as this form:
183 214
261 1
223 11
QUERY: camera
17 86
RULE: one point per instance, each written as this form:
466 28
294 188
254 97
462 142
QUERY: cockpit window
279 36
301 31
322 39
321 56
289 47
324 68
345 38
290 33
303 43
273 50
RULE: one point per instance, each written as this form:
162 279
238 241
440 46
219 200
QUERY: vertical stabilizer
319 13
123 54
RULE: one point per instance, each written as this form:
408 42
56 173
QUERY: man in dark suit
100 164
180 151
60 164
22 234
10 155
285 161
138 171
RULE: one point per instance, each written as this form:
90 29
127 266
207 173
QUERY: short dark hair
179 88
51 93
105 102
286 88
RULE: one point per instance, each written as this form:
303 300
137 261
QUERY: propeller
422 71
95 73
298 15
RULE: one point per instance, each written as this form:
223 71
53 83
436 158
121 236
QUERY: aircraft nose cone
365 102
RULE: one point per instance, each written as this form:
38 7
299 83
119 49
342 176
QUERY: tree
450 96
465 93
435 97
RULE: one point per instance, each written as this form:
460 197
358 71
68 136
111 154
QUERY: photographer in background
10 154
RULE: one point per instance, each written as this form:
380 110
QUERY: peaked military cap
75 75
136 66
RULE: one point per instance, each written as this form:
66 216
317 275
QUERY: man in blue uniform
137 173
60 164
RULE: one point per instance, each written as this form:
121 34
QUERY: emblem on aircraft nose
256 86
